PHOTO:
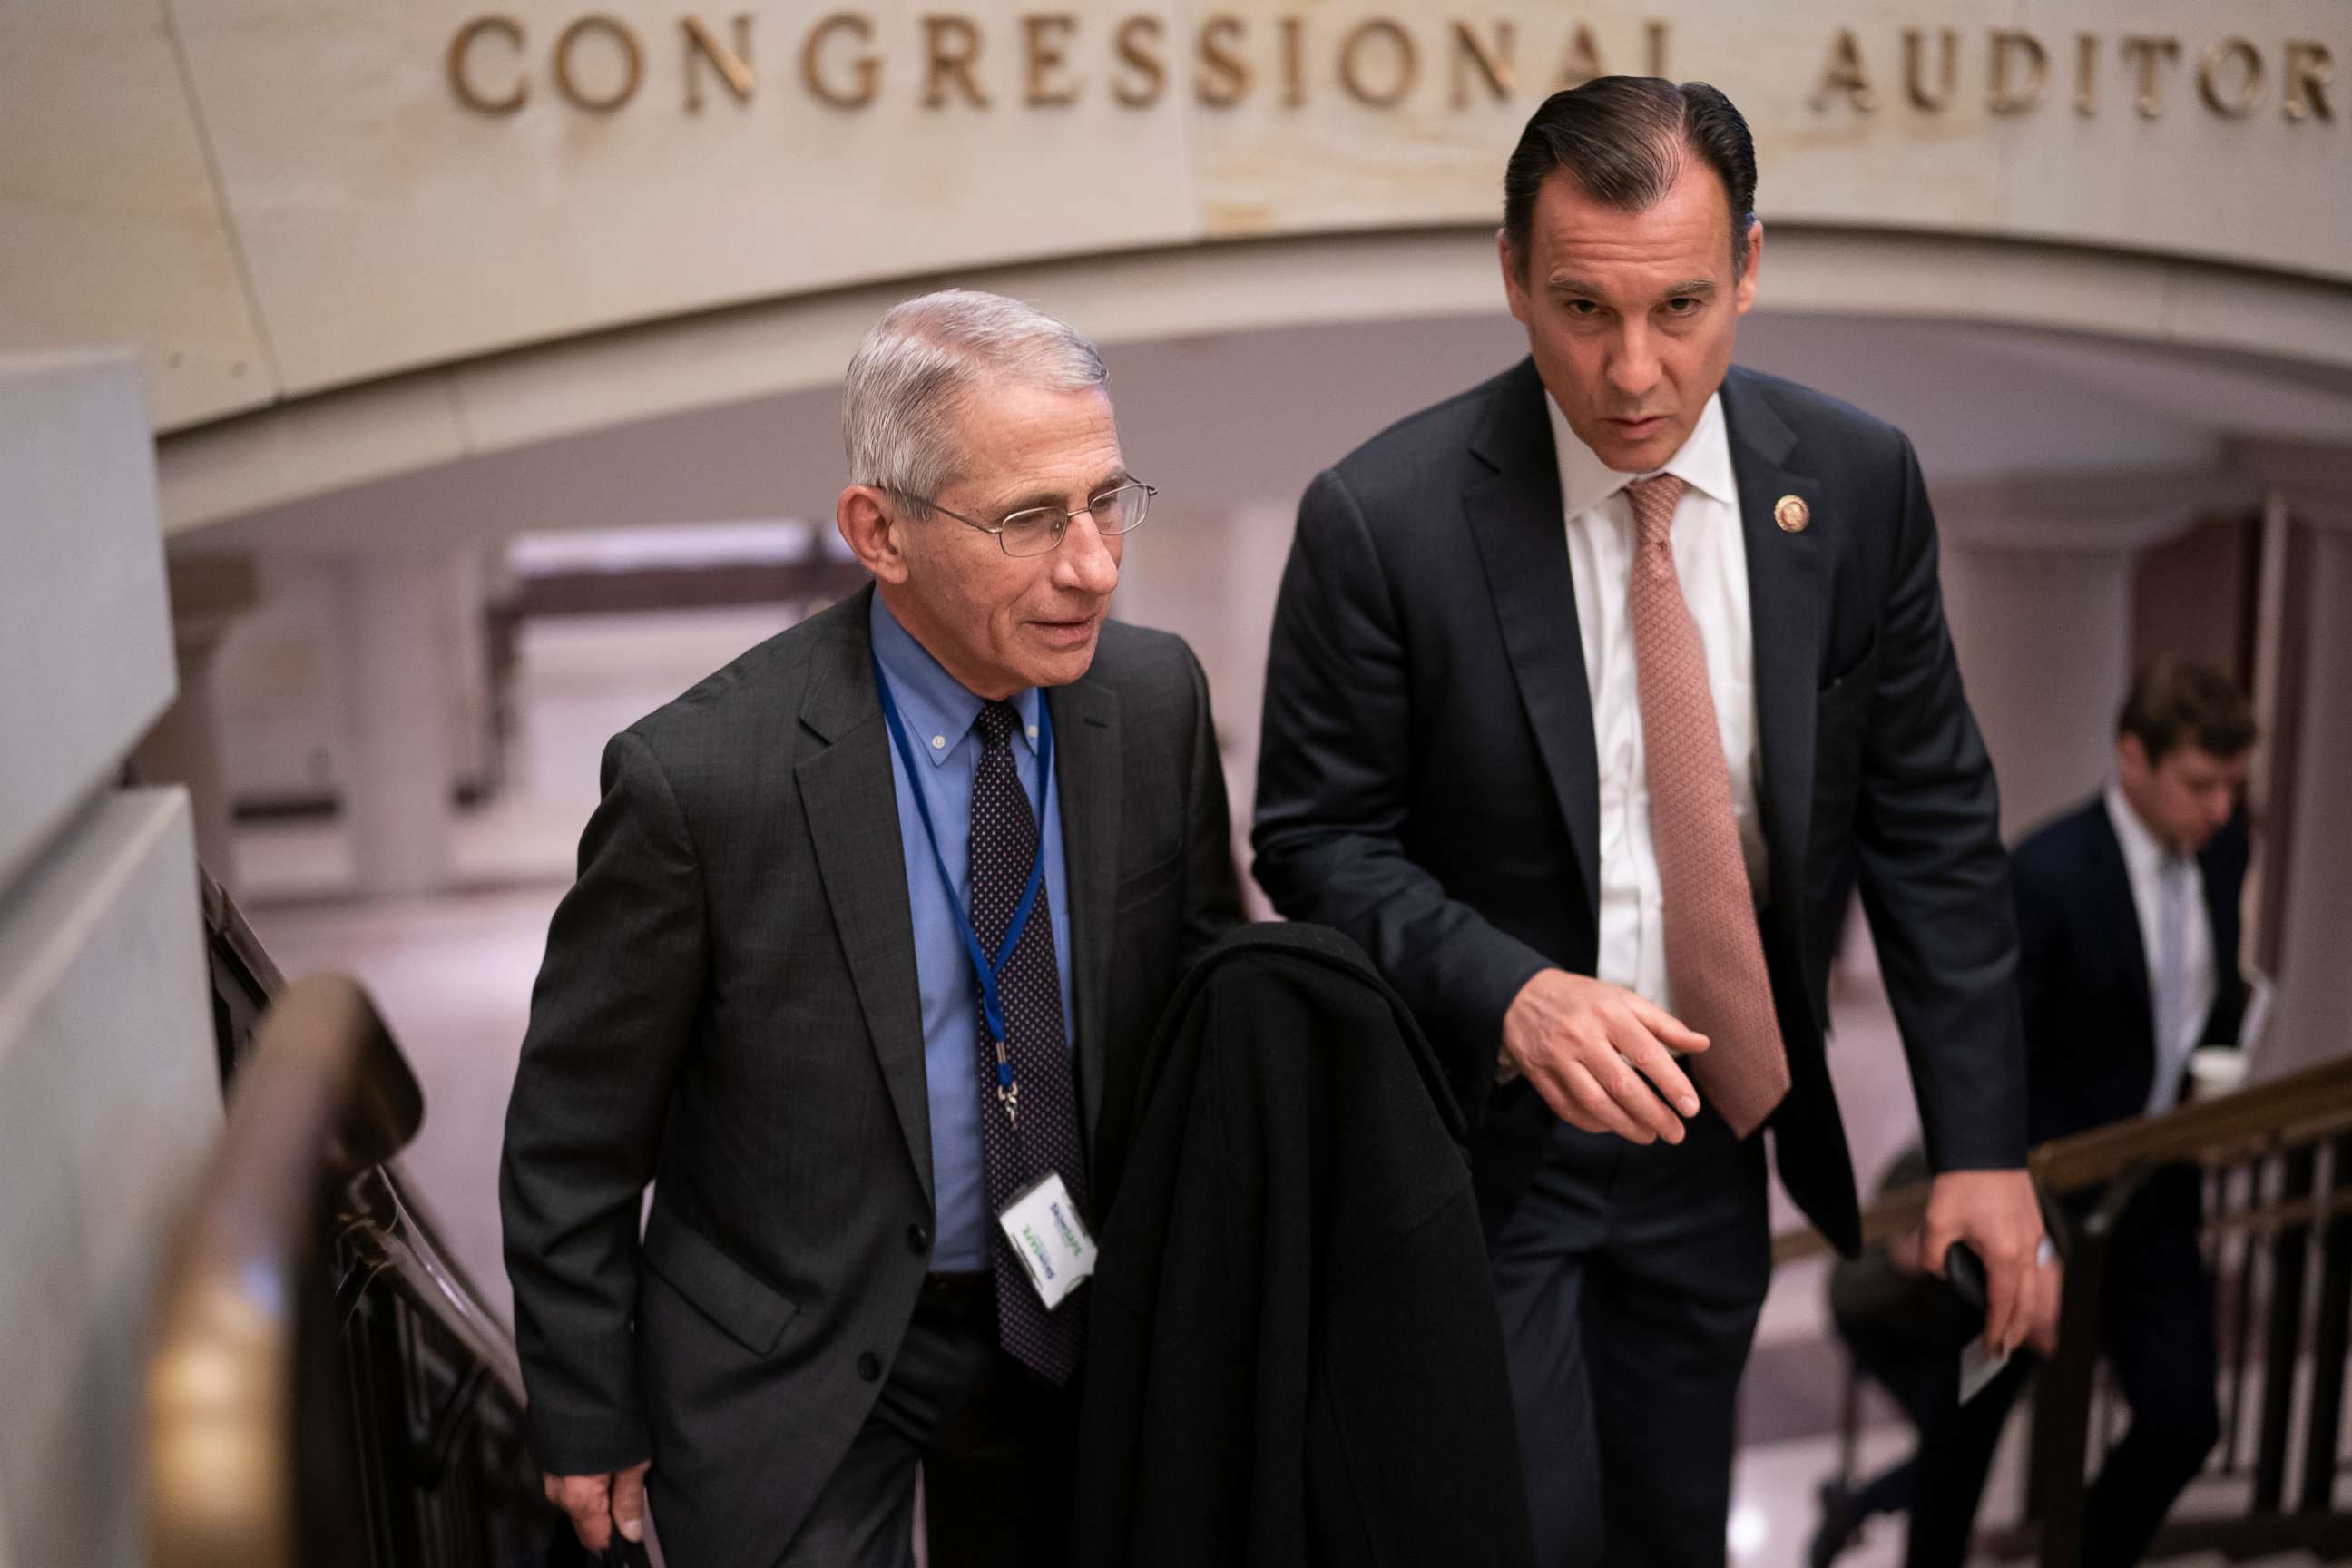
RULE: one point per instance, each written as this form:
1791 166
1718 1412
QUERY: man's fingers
1601 1104
2023 1300
2009 1295
594 1526
1677 1035
1935 1244
2001 1307
588 1500
1560 1092
1634 1097
1645 1054
629 1503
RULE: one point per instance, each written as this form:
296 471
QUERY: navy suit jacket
1428 782
2089 1029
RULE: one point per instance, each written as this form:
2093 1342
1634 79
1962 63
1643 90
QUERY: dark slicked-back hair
2176 701
1625 138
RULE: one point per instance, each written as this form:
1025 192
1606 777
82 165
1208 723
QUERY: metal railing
325 1384
2276 1160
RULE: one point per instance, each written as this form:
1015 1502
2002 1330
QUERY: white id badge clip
1050 1237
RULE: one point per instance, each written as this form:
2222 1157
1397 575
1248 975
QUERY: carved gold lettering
633 62
597 63
1044 38
733 66
2151 52
1224 77
2231 106
950 48
1581 63
461 51
1470 53
1915 66
2007 95
2309 68
1138 43
1843 74
1294 63
1405 64
868 66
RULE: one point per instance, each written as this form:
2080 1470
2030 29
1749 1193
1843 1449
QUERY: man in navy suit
1593 693
2128 920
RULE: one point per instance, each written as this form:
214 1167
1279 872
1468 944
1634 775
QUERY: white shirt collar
2144 853
1704 463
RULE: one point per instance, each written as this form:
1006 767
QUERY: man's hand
2049 1293
600 1504
1593 1051
1993 1212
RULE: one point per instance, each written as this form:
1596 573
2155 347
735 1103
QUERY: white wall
85 624
109 1092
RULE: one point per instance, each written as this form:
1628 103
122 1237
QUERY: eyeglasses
1038 529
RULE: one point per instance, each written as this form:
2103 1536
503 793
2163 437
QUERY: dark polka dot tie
1043 1137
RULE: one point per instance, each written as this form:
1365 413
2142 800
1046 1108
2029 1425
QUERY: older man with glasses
870 933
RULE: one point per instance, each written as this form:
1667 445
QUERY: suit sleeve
1935 880
1212 903
1335 788
2042 960
610 1017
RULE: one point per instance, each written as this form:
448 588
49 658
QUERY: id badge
1050 1237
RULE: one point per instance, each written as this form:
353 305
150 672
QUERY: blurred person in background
870 932
2127 912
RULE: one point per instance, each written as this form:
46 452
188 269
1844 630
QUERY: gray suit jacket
728 1007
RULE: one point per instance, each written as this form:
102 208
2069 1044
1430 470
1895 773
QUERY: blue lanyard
990 1002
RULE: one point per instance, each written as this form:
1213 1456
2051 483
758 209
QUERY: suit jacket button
869 1366
918 1240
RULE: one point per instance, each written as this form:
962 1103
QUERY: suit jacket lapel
850 797
1788 597
1087 774
1514 517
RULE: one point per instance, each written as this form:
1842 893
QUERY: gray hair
923 362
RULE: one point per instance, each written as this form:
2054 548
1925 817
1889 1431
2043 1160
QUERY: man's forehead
1024 433
2193 759
1015 476
1691 221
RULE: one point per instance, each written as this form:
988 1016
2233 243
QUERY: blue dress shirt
939 713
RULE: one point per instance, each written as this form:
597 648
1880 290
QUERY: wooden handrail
326 1095
2301 1107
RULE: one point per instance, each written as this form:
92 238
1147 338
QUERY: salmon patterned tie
1714 954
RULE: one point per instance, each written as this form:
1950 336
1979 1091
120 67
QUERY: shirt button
869 1366
918 1239
938 743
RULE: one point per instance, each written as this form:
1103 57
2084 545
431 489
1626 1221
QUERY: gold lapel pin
1792 514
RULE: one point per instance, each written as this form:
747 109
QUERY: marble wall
276 200
85 624
109 1094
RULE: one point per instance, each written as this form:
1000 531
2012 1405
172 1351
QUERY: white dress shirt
2148 864
1711 560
